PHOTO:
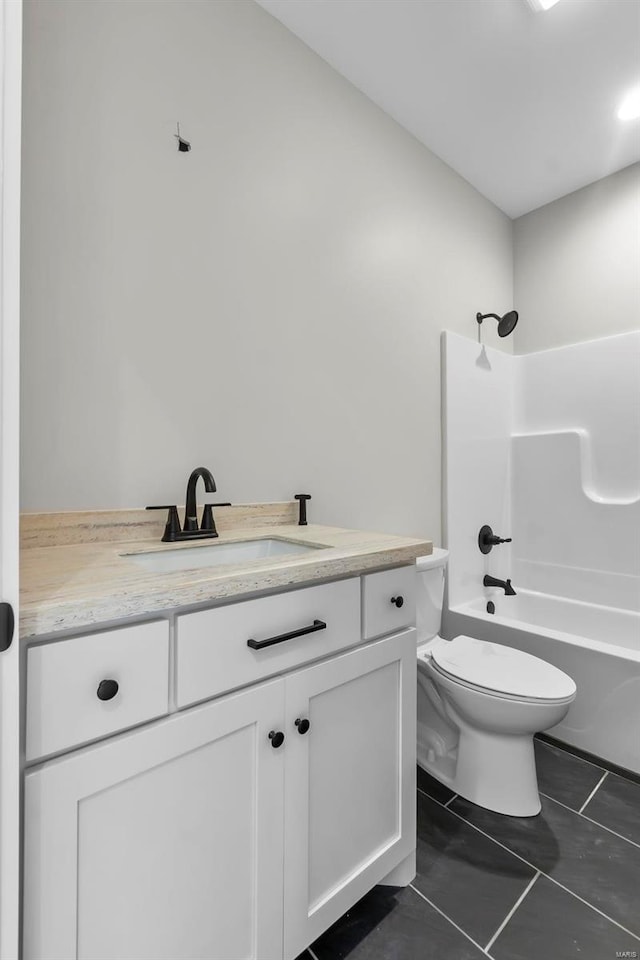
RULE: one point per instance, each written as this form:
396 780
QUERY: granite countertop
75 573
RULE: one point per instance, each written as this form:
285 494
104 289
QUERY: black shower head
506 324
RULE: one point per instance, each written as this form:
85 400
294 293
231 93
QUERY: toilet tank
430 573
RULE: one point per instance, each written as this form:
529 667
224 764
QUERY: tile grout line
596 823
448 919
529 864
513 910
597 787
443 803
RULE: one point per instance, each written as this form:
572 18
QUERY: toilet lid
502 669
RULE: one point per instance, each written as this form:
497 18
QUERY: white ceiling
521 104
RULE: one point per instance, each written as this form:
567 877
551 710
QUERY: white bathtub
596 645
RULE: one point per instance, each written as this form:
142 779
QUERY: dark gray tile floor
617 804
564 885
550 923
584 857
563 777
394 923
453 857
433 788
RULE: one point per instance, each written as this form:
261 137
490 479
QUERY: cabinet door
165 844
349 781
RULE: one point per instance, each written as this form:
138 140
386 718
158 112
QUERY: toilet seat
503 671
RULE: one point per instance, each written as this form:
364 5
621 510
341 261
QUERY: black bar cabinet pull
259 644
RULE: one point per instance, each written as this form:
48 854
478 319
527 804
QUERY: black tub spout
503 584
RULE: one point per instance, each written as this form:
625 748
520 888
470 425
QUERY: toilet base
491 768
494 771
498 771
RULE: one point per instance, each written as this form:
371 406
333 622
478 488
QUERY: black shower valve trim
487 539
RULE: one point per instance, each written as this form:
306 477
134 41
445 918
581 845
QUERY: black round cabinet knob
107 689
277 738
398 601
302 725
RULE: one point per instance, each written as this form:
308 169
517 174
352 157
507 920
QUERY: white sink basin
216 555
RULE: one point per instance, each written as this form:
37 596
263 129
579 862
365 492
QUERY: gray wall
577 265
269 305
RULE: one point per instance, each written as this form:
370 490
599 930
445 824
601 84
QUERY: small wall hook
183 145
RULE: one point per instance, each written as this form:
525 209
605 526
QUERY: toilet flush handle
399 600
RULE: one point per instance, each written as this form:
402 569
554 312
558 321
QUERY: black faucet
190 508
191 531
504 584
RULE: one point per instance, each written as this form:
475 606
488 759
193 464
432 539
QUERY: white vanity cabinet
65 705
202 837
350 792
162 844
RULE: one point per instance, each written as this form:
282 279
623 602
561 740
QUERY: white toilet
479 705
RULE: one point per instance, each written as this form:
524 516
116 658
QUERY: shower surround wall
545 448
576 471
477 424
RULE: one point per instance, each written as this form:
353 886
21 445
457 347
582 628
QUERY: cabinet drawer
213 653
63 705
380 614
